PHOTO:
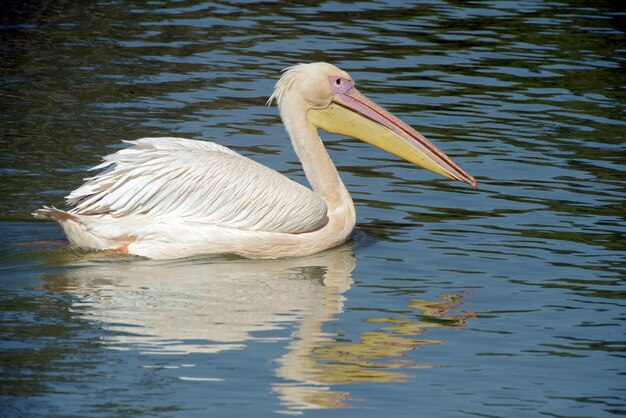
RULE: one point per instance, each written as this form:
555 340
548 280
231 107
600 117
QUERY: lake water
501 301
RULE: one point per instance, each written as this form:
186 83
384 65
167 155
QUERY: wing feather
200 182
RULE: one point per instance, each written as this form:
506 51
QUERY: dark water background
504 301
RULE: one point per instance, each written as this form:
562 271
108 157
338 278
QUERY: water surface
502 301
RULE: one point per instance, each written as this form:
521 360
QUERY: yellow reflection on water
317 361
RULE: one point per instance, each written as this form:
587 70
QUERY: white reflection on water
205 306
211 306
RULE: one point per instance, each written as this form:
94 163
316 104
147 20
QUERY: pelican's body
173 197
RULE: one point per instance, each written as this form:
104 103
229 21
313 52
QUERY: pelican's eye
340 84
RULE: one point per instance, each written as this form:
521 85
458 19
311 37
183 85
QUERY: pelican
166 198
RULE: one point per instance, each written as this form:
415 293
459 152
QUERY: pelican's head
332 103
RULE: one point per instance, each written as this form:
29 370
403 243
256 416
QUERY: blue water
504 301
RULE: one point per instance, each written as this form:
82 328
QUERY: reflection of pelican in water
208 306
170 306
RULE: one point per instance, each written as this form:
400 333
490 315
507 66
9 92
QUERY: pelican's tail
80 229
50 212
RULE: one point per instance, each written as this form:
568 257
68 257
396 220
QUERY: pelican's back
199 181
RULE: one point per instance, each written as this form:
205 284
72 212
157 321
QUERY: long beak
353 114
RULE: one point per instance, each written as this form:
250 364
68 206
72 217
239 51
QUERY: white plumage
177 178
174 197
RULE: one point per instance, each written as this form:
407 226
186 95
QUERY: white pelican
166 198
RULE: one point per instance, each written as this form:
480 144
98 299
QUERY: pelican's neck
318 167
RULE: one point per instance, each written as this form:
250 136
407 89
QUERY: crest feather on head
285 83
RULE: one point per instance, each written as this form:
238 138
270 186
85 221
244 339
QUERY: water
504 301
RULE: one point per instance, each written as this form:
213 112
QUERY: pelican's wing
197 181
